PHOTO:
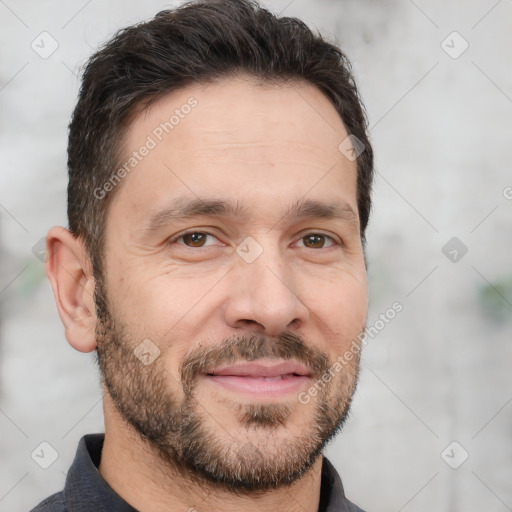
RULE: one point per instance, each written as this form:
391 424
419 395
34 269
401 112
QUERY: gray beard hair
177 432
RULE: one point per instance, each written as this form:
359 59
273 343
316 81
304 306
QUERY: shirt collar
86 490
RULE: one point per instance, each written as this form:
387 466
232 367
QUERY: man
219 192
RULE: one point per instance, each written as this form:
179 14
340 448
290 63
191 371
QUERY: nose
263 297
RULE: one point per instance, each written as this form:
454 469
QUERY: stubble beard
187 440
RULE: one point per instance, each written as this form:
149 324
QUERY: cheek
140 296
167 310
341 306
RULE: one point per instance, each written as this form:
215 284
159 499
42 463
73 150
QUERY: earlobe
70 275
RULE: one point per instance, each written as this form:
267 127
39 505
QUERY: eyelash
310 233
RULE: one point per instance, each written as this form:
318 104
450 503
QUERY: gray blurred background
431 424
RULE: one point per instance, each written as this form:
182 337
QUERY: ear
70 273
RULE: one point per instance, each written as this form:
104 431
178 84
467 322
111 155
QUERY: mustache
286 346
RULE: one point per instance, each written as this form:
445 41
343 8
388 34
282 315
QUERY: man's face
233 256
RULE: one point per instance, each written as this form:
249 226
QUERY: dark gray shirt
86 491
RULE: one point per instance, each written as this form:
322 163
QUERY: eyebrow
183 208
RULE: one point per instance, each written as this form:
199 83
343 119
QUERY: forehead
256 141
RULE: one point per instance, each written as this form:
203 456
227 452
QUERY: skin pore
236 238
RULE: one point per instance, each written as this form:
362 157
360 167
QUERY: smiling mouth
262 378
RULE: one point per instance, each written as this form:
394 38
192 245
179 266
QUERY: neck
137 474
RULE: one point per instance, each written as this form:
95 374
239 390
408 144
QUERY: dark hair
200 41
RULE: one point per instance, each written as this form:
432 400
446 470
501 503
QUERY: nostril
250 322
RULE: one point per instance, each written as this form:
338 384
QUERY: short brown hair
200 41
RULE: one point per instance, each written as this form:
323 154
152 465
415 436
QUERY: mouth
262 378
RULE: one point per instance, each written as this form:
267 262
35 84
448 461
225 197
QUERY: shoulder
54 503
332 493
354 508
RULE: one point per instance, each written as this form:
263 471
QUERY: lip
263 368
263 378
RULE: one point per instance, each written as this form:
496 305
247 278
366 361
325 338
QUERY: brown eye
316 241
194 239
